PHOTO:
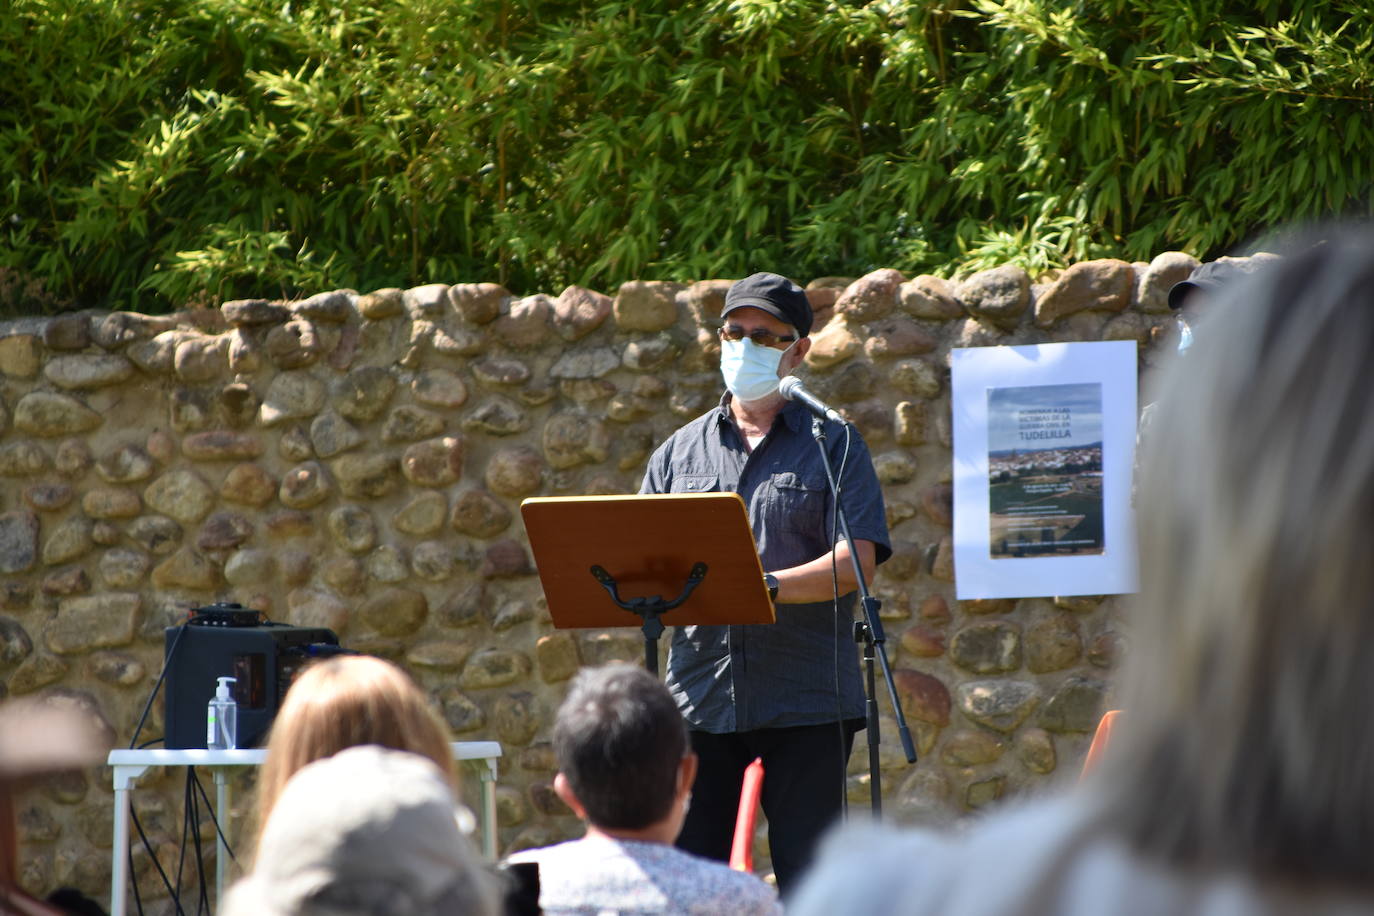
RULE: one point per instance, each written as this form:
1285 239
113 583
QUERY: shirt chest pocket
695 483
795 502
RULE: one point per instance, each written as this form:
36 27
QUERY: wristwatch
771 581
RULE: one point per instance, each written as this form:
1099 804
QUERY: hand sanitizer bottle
222 719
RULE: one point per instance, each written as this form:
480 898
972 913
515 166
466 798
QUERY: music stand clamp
650 608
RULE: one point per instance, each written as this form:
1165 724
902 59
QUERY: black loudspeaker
229 641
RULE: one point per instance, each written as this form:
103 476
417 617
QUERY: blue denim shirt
740 678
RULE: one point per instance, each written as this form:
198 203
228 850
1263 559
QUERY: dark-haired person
625 768
788 692
1240 776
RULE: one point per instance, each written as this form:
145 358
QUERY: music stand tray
603 558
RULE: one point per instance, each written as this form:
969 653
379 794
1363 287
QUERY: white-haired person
1240 778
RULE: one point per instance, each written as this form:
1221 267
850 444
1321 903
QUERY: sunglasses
759 336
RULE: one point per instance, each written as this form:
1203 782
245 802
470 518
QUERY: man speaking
788 692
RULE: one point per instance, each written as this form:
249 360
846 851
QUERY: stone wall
357 461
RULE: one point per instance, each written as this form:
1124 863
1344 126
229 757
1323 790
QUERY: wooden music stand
636 549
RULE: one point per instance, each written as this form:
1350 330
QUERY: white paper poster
1044 446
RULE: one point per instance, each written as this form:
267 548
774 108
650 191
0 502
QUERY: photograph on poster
1044 446
1045 470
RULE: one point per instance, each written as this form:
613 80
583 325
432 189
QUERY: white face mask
750 371
1185 337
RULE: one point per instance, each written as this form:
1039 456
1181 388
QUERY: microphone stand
870 631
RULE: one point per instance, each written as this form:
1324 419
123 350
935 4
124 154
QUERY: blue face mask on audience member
749 369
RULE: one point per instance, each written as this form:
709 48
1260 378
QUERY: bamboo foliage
165 151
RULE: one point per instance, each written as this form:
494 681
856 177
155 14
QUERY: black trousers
803 790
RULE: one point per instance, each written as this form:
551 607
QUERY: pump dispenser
222 719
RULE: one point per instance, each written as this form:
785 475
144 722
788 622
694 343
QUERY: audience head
366 831
622 749
1252 643
343 702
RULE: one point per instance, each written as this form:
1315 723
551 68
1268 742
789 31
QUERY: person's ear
563 790
686 773
800 349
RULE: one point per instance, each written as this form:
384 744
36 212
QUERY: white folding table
128 765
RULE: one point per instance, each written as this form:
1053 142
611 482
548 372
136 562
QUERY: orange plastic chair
742 848
1100 740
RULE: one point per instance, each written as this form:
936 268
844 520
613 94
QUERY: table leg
119 862
488 776
221 816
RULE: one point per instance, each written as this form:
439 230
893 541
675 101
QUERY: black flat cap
774 294
1208 278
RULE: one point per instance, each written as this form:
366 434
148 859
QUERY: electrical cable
835 644
138 729
166 882
191 814
835 659
133 743
138 898
181 850
214 819
190 827
162 676
203 903
194 792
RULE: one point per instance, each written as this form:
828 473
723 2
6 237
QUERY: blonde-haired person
346 701
1240 779
335 706
368 831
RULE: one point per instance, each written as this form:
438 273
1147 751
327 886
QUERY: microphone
792 388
